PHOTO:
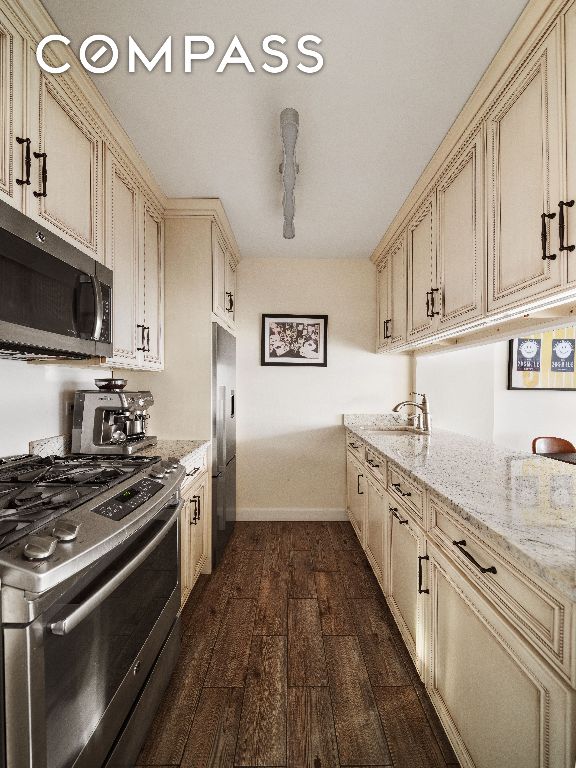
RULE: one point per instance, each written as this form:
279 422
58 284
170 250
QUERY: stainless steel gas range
89 569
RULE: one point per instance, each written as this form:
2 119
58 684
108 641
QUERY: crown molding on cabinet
204 207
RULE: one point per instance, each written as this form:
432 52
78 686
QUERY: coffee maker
111 421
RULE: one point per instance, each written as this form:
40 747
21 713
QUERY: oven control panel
130 499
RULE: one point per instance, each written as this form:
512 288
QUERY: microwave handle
98 306
65 626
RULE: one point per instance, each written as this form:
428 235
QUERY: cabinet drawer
406 491
539 615
376 465
195 468
355 446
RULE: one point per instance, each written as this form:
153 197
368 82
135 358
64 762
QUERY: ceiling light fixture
289 123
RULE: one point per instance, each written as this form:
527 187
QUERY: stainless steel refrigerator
224 438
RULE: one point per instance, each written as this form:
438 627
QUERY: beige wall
35 400
291 454
468 394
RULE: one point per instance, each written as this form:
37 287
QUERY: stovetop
35 490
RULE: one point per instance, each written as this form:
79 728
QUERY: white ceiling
396 75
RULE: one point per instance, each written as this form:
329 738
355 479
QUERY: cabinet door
12 153
230 305
218 274
356 485
523 163
199 532
460 254
397 293
73 201
152 288
122 256
500 704
406 579
421 270
383 293
376 519
569 133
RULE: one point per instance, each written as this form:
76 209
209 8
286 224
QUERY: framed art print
294 340
543 360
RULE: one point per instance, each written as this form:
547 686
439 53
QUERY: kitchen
398 587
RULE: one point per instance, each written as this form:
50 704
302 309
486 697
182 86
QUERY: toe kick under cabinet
494 649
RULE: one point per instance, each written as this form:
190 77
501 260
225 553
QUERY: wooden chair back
552 445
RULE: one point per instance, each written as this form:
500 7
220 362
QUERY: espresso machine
110 420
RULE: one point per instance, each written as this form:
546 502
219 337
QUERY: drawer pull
43 174
561 225
27 160
372 463
360 493
420 590
394 511
461 544
544 236
400 491
194 472
354 445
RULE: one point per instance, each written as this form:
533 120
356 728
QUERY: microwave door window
38 290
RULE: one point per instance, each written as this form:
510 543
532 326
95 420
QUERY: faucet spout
422 419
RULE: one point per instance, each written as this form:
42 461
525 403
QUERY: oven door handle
65 626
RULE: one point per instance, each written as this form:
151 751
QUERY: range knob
65 530
39 547
174 463
167 466
157 472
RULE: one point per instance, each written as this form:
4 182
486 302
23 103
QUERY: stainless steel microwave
55 301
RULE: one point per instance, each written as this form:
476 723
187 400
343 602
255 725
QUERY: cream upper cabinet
134 251
356 496
423 295
568 246
122 256
523 181
15 146
392 296
499 703
407 575
152 280
460 228
223 279
383 298
66 191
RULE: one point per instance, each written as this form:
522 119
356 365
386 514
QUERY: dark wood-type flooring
290 657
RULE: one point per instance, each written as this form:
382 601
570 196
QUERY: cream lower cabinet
356 496
134 251
407 578
376 524
194 520
500 704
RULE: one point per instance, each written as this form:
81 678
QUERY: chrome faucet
422 417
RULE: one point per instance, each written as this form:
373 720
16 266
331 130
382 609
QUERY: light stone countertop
186 451
519 503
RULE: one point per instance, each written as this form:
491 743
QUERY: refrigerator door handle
221 427
232 403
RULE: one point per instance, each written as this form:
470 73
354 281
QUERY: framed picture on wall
294 340
543 360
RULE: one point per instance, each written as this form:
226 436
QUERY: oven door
74 673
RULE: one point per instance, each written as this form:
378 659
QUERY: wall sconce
289 123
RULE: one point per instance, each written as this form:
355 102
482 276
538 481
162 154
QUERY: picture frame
295 340
543 361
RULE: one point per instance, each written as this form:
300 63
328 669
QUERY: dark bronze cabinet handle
147 339
428 295
433 311
544 236
372 463
387 334
194 472
561 225
43 175
394 511
400 491
230 307
360 493
143 331
27 161
461 544
354 445
420 590
196 515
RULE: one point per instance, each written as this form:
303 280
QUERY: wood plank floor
290 657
